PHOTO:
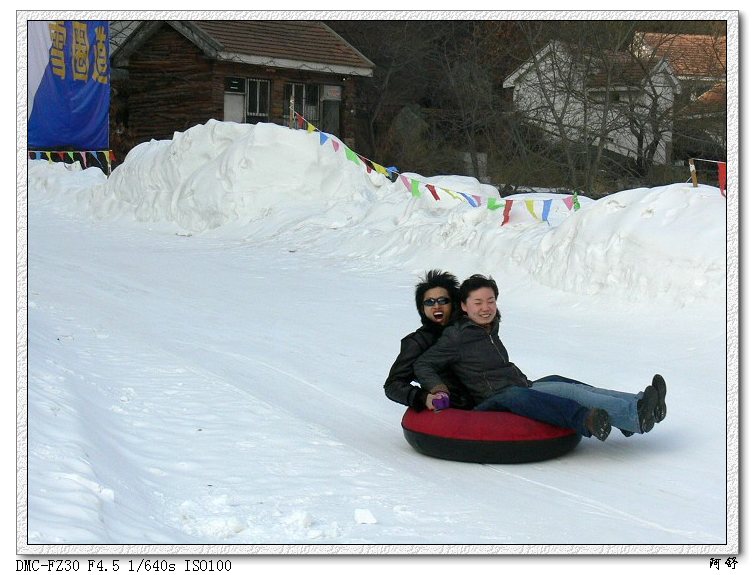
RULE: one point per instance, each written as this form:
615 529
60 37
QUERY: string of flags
415 187
107 156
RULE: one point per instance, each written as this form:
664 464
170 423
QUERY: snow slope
210 327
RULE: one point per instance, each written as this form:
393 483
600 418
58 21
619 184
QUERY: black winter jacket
398 386
478 358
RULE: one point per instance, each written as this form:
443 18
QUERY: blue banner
69 85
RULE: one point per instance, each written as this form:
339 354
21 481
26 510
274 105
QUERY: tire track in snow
601 507
320 390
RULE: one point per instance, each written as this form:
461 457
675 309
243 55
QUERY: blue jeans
540 406
620 406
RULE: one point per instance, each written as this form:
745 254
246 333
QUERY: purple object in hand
442 402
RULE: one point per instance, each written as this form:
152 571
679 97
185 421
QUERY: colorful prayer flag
367 163
450 193
406 182
469 199
351 155
722 177
531 208
433 191
507 211
380 169
546 210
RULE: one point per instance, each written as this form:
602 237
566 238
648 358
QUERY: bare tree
398 49
469 60
575 88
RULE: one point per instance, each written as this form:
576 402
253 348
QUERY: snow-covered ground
209 330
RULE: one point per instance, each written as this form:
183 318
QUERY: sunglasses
430 302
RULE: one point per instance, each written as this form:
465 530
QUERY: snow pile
65 187
669 240
266 181
220 172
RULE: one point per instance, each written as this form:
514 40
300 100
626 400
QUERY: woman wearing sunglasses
437 300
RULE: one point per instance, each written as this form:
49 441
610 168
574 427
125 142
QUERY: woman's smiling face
436 311
481 306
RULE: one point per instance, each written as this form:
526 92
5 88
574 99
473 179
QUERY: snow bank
66 187
220 172
266 181
645 242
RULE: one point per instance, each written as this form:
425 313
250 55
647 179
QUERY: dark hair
433 279
476 282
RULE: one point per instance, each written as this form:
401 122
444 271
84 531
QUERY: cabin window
258 101
306 99
247 100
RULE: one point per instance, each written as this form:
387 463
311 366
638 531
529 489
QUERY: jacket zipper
498 351
492 342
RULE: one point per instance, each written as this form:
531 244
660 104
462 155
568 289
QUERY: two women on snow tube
491 411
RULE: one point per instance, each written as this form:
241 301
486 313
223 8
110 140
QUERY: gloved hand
441 401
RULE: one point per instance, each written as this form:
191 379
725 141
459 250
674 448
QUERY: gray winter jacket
478 359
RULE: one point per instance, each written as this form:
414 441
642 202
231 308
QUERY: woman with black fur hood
437 300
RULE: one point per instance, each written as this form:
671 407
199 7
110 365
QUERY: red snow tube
485 436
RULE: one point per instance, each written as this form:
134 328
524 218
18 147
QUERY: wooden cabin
171 75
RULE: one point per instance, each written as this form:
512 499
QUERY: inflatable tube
485 436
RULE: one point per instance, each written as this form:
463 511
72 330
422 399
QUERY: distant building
610 100
629 103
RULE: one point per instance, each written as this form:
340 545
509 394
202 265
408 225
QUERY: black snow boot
660 386
598 423
646 408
